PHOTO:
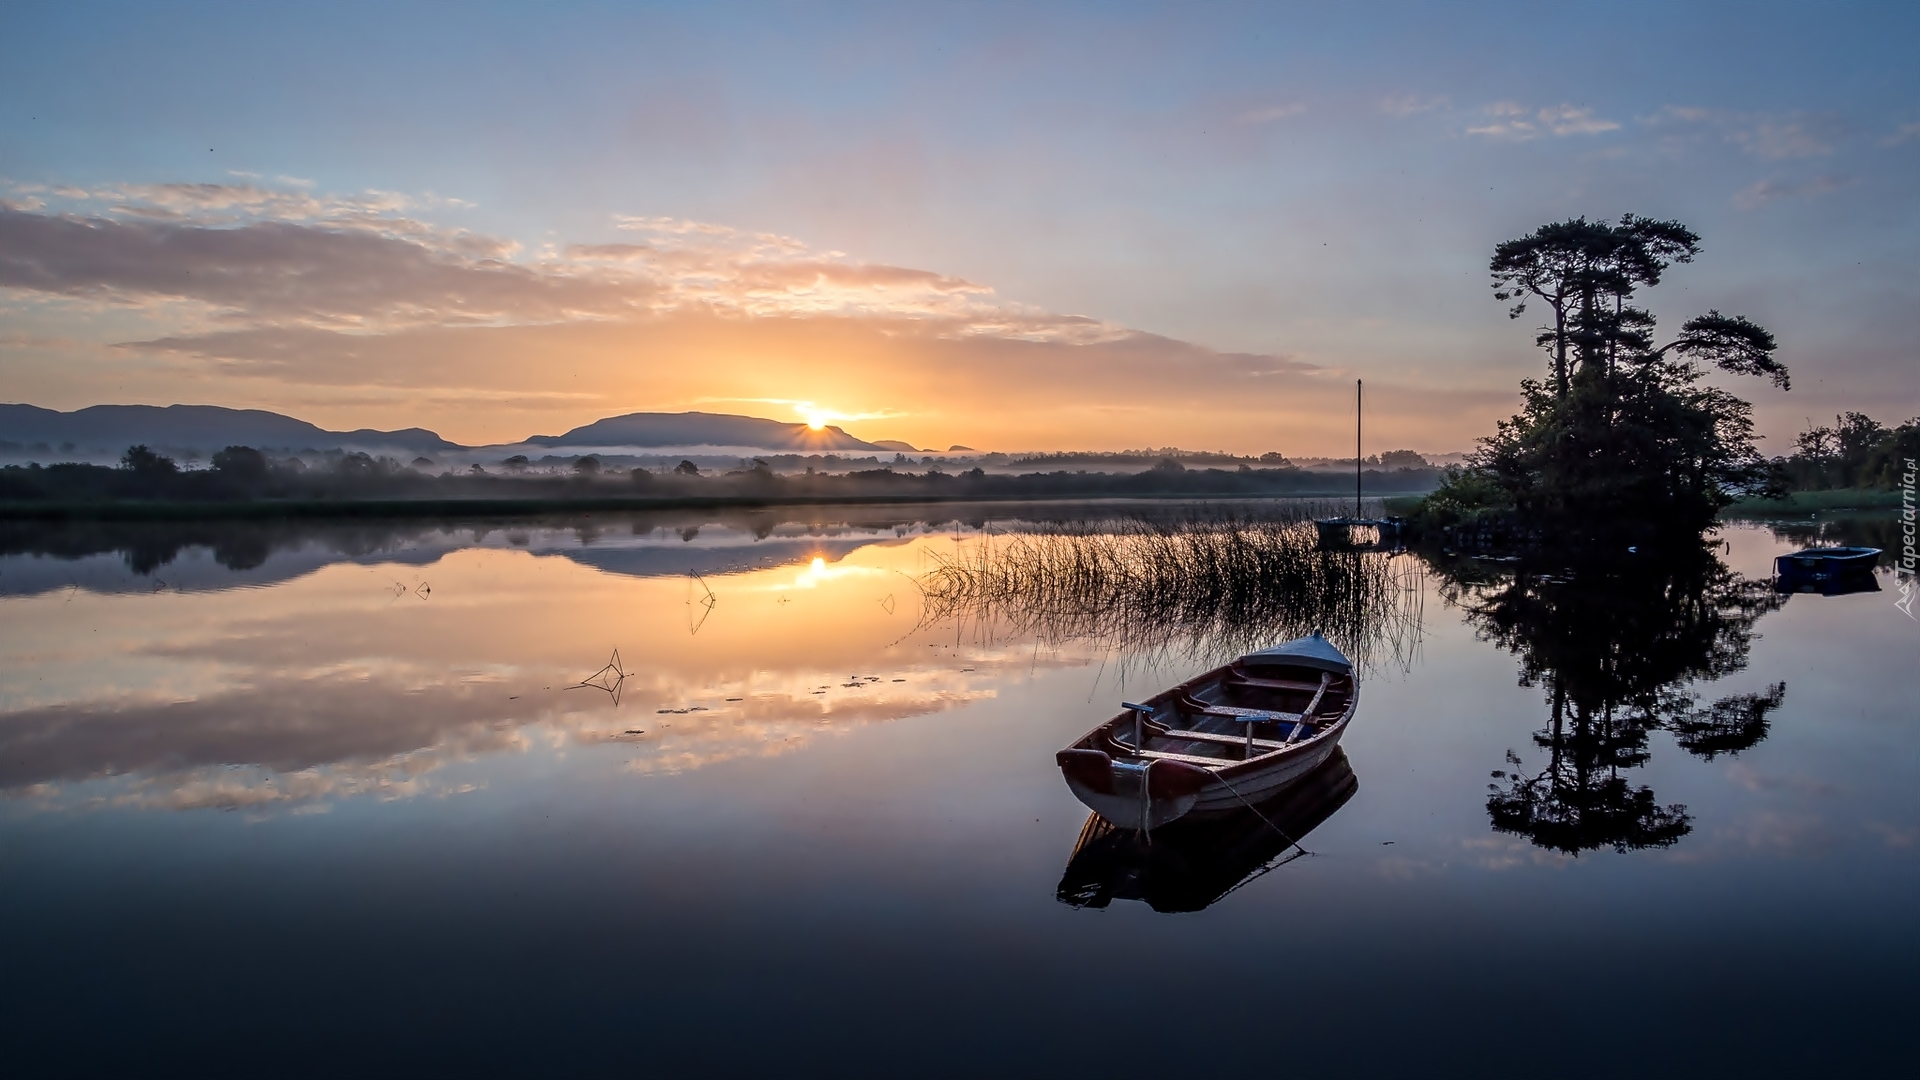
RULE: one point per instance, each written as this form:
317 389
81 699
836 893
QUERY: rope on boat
1264 871
1256 813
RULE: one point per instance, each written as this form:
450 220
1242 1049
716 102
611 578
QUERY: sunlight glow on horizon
1200 247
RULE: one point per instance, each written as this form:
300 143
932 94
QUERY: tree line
245 474
1857 451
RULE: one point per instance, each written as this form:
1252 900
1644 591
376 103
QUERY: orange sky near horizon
893 380
1024 228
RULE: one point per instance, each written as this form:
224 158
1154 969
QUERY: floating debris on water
704 602
610 678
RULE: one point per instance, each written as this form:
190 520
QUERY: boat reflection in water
1191 864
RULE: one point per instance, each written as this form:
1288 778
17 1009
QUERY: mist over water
708 793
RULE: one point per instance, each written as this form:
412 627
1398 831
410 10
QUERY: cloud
1773 136
1516 123
1762 192
1779 140
1413 104
1568 120
1270 113
280 272
282 296
1906 132
269 257
996 390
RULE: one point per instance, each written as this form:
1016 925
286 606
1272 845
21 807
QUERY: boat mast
1356 449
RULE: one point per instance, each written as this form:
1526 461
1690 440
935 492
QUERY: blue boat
1824 564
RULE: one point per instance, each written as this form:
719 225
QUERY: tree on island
1622 432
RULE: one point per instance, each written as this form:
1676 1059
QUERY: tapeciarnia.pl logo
1904 569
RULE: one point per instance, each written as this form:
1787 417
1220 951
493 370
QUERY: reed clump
1212 587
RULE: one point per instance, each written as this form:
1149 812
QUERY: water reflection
1617 649
394 660
142 664
1845 528
107 556
398 661
1192 864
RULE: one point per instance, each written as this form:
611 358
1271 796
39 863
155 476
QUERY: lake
716 793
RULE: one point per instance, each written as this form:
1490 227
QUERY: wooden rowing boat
1218 743
1192 863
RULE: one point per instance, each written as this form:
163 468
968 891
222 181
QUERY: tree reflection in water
1617 649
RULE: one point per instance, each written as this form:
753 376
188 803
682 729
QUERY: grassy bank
1799 502
393 509
1807 502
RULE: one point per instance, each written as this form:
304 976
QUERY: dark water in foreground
323 801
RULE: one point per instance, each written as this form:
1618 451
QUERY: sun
815 416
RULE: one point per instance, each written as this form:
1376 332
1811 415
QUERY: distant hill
705 429
110 429
206 428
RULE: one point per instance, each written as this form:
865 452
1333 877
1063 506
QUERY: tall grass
1203 587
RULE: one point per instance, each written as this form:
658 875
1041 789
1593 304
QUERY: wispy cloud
1269 113
1773 136
1762 192
1516 123
266 256
355 297
1906 132
1413 104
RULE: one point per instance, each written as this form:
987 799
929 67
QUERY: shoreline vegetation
1624 445
1200 586
1811 502
243 483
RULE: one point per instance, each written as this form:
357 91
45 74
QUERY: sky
1009 226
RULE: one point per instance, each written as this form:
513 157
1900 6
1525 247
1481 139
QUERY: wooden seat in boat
1239 677
1191 759
1215 737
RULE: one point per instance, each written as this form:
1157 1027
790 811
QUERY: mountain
109 429
113 428
643 429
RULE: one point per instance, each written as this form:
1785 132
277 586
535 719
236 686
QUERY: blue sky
1174 224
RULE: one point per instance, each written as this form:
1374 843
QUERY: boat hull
1825 564
1192 864
1118 792
1217 744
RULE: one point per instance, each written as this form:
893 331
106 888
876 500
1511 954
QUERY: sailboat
1340 531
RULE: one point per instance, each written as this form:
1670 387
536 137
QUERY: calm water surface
303 800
